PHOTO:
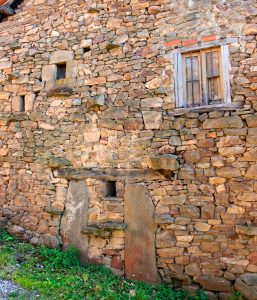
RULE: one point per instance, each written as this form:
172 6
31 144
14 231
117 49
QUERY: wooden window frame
202 72
179 76
184 57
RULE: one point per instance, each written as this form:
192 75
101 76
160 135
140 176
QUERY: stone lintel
111 174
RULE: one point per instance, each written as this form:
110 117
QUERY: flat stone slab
75 218
103 230
164 162
246 285
140 256
128 175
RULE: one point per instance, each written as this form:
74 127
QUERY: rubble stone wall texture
115 109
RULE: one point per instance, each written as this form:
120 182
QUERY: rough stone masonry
94 151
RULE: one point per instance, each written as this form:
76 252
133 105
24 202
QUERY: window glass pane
189 93
188 68
212 64
215 60
193 93
192 80
192 68
195 67
197 94
214 89
208 64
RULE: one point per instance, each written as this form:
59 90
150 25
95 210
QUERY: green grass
50 274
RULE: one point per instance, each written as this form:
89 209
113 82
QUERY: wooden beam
206 108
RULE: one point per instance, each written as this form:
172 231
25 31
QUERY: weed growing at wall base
54 274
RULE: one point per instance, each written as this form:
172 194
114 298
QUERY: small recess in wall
93 10
86 49
111 189
61 71
112 46
22 104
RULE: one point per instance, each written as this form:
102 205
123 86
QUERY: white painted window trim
176 56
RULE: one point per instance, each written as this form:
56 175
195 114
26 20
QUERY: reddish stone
167 149
116 263
209 38
190 42
208 143
110 252
153 10
174 211
133 124
173 43
94 260
252 258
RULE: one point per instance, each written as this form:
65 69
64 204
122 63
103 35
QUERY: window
201 77
61 71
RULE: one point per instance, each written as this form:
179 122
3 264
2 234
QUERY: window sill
206 108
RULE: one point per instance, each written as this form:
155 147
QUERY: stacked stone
116 110
106 248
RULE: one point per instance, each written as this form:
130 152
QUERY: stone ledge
113 199
14 117
111 174
53 211
103 229
166 162
206 108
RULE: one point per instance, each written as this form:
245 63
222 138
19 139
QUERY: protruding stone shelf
128 175
53 211
164 219
116 199
103 229
207 108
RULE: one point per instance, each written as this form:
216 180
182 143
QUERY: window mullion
192 80
204 78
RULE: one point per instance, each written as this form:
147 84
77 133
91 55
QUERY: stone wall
114 111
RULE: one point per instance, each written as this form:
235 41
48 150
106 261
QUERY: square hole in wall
18 104
21 104
111 189
61 71
108 189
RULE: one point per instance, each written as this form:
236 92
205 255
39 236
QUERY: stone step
103 229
